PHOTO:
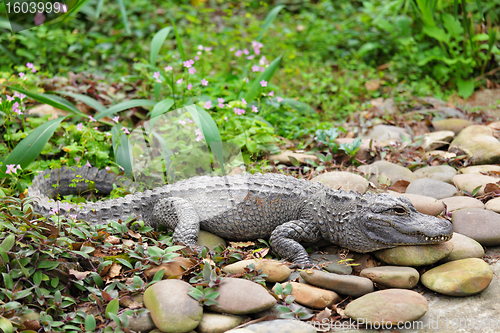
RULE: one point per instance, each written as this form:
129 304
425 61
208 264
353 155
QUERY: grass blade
51 100
85 99
32 145
179 42
124 106
123 10
266 75
156 44
269 19
122 149
161 107
98 8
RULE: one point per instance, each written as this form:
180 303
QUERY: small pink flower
220 100
263 61
10 98
189 86
189 121
199 135
243 101
246 51
245 79
179 81
197 57
225 118
125 130
20 96
156 75
21 75
254 109
208 104
256 51
115 119
271 93
238 53
231 49
88 164
192 70
10 169
77 159
107 134
96 128
121 167
255 68
168 68
54 211
238 111
92 118
200 47
204 82
108 168
182 122
257 44
250 57
263 83
279 99
79 127
208 49
29 65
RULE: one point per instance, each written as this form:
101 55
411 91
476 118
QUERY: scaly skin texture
247 207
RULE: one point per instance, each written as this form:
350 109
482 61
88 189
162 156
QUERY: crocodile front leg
180 216
286 237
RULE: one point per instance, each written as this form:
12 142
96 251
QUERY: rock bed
378 286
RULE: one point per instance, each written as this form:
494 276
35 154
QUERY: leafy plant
286 312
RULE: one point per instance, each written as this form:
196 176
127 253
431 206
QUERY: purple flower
10 169
168 68
250 57
79 127
279 99
231 49
220 100
263 83
254 109
125 130
54 211
107 168
192 70
182 122
245 79
256 51
92 118
121 167
21 75
208 104
225 118
29 65
188 63
246 51
189 86
204 82
115 119
196 58
255 68
39 18
238 111
263 61
257 44
243 101
77 159
271 93
238 53
107 134
156 75
10 98
88 164
199 135
208 49
96 128
179 81
20 96
200 47
189 121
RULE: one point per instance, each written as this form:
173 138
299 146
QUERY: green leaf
7 281
51 100
123 11
90 324
6 325
123 151
94 104
266 75
474 192
294 161
156 44
47 264
112 307
278 289
32 145
124 106
125 263
465 88
8 242
161 107
288 289
436 33
453 26
179 42
158 276
269 19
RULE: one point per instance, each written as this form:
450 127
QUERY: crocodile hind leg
180 216
286 237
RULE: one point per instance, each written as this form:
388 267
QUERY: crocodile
281 208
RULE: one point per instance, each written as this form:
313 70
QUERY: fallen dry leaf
241 245
113 240
78 275
400 186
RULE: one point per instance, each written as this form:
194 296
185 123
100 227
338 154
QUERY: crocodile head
384 221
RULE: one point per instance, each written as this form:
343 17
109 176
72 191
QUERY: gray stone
141 322
386 134
239 296
392 276
469 182
343 180
276 271
480 169
478 143
440 153
171 307
349 285
284 157
459 278
464 247
435 140
423 204
457 202
454 125
331 263
431 188
493 205
210 240
390 305
387 172
217 323
479 224
443 173
280 326
414 255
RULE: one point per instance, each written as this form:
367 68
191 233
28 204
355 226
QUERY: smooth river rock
459 278
390 305
443 173
386 172
477 142
414 255
392 276
330 262
436 140
279 326
240 296
451 124
459 202
343 180
469 182
209 240
276 271
431 188
464 247
479 224
493 205
480 169
313 297
349 285
218 323
171 307
423 204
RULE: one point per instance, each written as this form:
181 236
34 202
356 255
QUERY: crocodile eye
399 210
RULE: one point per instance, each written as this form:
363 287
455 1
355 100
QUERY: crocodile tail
51 183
